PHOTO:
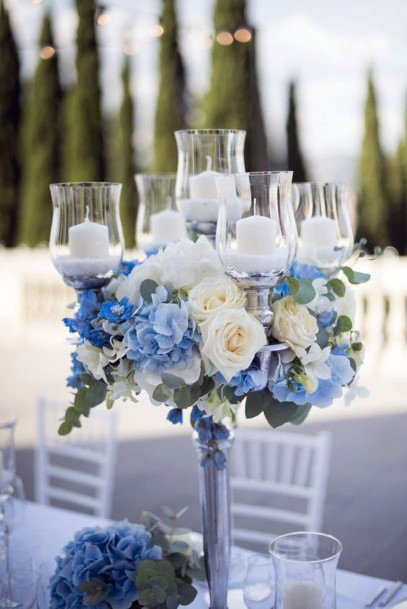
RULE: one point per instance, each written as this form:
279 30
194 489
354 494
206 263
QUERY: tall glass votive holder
324 227
204 154
305 566
158 221
256 234
86 241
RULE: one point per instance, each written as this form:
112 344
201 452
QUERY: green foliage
295 160
372 177
397 185
129 198
9 136
276 413
87 397
233 100
147 289
343 324
337 286
41 159
354 277
84 157
95 590
302 290
175 389
170 114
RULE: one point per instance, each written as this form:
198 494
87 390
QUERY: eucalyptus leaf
343 324
254 405
147 289
184 397
172 381
355 277
337 286
64 429
187 594
303 415
161 393
305 293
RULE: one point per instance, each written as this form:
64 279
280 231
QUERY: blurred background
94 91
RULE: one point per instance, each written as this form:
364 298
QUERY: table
44 531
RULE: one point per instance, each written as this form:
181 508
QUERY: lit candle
89 239
167 226
303 595
319 231
203 185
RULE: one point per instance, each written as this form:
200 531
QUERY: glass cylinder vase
203 154
215 498
305 566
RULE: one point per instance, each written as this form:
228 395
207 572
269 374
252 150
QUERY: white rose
293 324
151 268
230 341
211 296
93 359
186 263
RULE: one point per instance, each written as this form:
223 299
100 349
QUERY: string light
243 34
225 38
157 30
47 52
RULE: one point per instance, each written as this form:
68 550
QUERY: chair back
279 482
76 471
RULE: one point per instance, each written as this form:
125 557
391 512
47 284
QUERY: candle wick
208 163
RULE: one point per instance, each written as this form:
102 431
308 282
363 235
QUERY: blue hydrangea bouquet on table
256 306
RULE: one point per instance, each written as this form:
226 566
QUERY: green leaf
72 416
161 393
148 598
337 286
355 277
64 429
172 381
177 560
279 413
305 293
172 601
186 396
187 594
147 288
303 415
95 591
343 324
293 284
254 405
357 347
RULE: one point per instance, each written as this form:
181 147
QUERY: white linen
45 530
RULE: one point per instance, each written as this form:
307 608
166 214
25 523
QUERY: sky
326 46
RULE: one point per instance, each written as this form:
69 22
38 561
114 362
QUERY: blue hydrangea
175 416
127 266
116 311
298 271
251 379
327 390
162 335
77 369
111 555
326 319
86 312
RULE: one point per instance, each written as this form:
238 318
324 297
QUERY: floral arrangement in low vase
126 566
176 326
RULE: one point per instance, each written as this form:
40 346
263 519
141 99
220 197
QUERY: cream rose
211 296
293 324
231 339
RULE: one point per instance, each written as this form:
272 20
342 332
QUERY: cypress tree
397 185
128 202
42 146
233 99
9 130
372 209
171 108
84 158
295 160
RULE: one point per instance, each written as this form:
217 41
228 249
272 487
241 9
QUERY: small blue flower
340 350
82 323
116 312
298 271
251 379
175 416
77 369
127 266
326 319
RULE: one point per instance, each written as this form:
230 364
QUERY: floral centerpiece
127 566
176 326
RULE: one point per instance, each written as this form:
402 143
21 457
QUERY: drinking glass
258 586
158 221
86 241
305 566
325 231
256 233
203 154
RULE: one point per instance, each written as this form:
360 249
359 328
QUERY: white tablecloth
44 531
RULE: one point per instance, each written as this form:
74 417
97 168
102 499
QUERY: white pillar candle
319 231
166 226
203 185
89 239
256 235
303 595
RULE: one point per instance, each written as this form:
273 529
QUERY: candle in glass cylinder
167 226
256 235
203 185
319 231
303 595
88 239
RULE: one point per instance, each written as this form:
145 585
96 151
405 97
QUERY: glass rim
213 131
84 184
310 534
263 173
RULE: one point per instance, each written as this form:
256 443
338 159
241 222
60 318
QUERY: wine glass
324 226
158 220
258 587
86 241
